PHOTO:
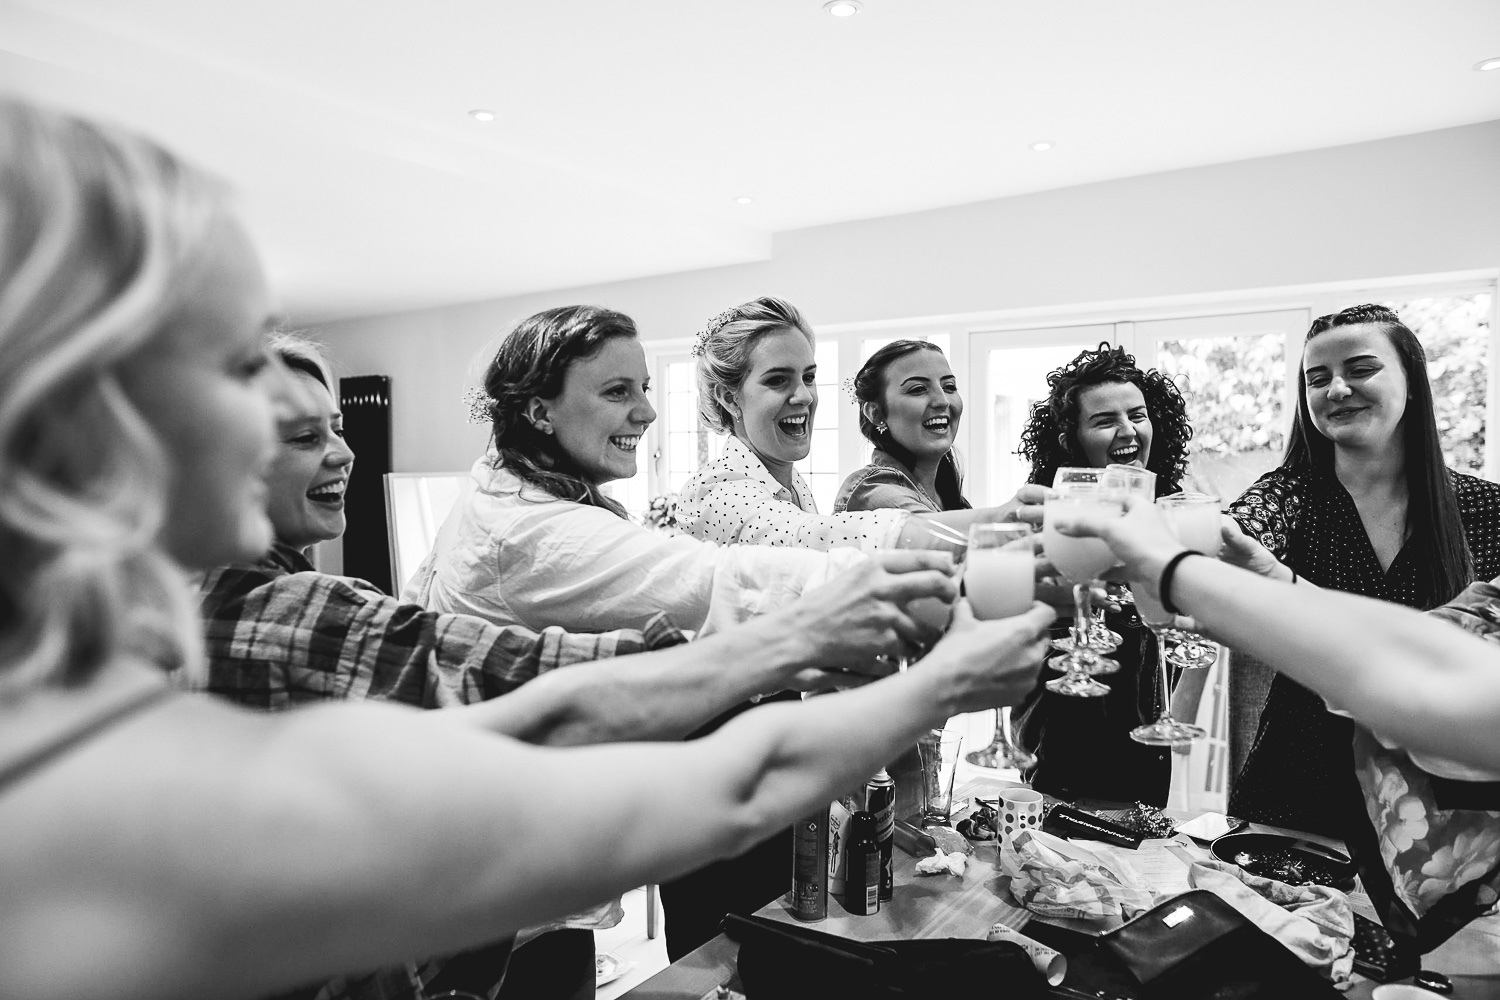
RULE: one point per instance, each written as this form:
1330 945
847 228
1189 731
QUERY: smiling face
1114 425
311 469
778 399
921 404
602 411
1356 388
202 386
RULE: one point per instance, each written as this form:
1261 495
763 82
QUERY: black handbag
780 961
1196 945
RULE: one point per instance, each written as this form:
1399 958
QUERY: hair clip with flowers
719 322
849 391
479 403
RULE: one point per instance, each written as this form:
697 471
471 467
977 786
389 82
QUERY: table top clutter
967 906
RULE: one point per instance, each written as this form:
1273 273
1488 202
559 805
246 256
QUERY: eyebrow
1357 357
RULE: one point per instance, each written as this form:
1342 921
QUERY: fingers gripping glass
1195 521
999 582
931 611
1080 561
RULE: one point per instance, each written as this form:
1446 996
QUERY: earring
880 428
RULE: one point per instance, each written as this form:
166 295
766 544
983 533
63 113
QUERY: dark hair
870 386
1432 504
1050 439
531 362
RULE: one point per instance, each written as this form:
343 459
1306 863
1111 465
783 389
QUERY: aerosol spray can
810 866
880 801
862 877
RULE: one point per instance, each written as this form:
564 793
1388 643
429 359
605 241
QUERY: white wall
1419 204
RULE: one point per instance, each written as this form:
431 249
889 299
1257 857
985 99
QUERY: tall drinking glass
1000 581
1080 561
939 537
1195 519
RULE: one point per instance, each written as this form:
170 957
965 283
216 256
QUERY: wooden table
939 906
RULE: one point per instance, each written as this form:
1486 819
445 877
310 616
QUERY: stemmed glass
1101 640
1165 731
999 581
1080 561
1195 519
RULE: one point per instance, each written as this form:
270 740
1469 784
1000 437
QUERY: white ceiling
625 129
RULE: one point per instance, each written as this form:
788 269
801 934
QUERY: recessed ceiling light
842 8
1040 147
481 115
743 200
1488 64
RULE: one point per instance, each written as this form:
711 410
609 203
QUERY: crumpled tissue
943 864
1057 878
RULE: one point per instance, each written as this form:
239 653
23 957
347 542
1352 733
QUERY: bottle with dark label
862 875
810 866
880 802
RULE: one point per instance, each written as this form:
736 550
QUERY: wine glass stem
1165 670
1083 614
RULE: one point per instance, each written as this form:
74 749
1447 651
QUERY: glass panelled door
1008 375
1238 375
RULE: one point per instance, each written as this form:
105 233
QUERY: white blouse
735 499
513 554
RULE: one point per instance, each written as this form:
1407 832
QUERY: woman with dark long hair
909 410
1102 409
1363 503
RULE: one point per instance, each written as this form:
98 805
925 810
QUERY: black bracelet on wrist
1164 587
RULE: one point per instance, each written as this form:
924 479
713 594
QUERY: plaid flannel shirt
281 634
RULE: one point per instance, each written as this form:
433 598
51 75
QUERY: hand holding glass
1000 581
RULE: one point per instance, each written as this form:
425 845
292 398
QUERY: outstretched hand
1247 553
987 664
857 626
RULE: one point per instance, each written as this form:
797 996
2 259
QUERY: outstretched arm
1411 677
831 636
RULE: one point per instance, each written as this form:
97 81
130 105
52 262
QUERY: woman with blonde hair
160 844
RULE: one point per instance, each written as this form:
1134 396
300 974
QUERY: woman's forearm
1417 680
660 695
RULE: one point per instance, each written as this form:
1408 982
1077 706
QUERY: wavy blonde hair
99 232
724 347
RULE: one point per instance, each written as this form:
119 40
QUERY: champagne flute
1195 519
1080 561
1000 581
1165 731
1100 639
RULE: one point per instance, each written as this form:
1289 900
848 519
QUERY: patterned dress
1300 771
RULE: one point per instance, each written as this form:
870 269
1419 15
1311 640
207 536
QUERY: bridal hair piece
700 339
480 405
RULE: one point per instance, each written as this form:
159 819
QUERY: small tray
1254 851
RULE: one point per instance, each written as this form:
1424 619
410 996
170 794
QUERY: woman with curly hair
1102 409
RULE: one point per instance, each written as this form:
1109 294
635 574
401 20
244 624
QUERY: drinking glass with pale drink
1000 581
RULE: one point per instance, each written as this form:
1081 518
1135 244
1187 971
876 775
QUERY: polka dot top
1300 771
735 499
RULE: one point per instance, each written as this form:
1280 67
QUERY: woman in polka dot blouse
1363 503
757 382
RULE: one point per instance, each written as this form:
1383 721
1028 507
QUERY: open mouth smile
793 426
1125 455
329 493
626 442
938 425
